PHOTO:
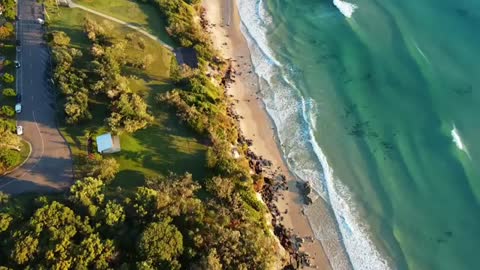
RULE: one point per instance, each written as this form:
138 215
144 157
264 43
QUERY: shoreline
256 124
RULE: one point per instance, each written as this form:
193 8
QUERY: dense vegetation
11 146
163 225
101 76
173 222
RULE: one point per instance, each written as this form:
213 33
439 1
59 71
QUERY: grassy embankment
165 145
133 12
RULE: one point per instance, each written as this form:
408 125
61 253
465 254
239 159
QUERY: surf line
421 53
345 8
458 141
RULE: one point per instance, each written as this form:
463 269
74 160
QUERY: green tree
60 38
129 114
221 187
88 193
24 249
76 107
160 242
9 92
9 140
4 197
113 213
8 111
9 9
211 262
94 253
8 158
145 202
5 220
8 78
105 169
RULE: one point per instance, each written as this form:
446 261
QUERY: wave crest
345 8
294 118
458 140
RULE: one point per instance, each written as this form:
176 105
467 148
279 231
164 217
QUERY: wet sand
256 125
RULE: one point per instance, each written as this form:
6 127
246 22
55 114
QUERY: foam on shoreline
305 158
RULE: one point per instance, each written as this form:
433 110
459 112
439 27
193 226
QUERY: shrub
9 158
8 78
8 111
7 125
59 38
9 92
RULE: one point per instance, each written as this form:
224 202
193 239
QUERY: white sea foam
458 140
345 8
295 118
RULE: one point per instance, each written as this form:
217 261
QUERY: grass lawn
142 15
165 146
24 154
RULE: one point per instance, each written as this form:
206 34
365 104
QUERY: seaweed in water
461 91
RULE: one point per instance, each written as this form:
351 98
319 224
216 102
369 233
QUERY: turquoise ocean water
377 103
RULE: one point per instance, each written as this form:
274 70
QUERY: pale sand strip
256 124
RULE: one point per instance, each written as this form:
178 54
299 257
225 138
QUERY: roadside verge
25 154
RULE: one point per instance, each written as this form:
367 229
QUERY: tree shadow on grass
156 22
129 179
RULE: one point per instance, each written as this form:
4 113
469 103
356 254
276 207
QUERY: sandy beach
255 123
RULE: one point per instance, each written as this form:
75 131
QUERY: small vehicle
19 98
40 21
19 130
17 64
18 108
17 42
18 49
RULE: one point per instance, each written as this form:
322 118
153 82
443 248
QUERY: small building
186 56
65 3
108 144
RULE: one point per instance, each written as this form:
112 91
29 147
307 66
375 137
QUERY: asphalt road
49 167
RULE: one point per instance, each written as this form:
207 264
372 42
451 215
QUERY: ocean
377 104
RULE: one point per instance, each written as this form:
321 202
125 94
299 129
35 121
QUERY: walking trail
129 25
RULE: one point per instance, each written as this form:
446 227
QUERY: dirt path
129 25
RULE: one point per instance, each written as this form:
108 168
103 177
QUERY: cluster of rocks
203 19
274 184
229 76
257 163
306 190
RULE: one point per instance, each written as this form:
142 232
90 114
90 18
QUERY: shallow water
381 112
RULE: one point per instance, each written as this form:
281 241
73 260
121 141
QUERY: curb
24 161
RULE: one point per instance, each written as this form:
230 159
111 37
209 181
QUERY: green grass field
24 154
165 146
139 14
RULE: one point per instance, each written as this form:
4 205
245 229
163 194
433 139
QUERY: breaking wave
345 8
458 140
295 117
